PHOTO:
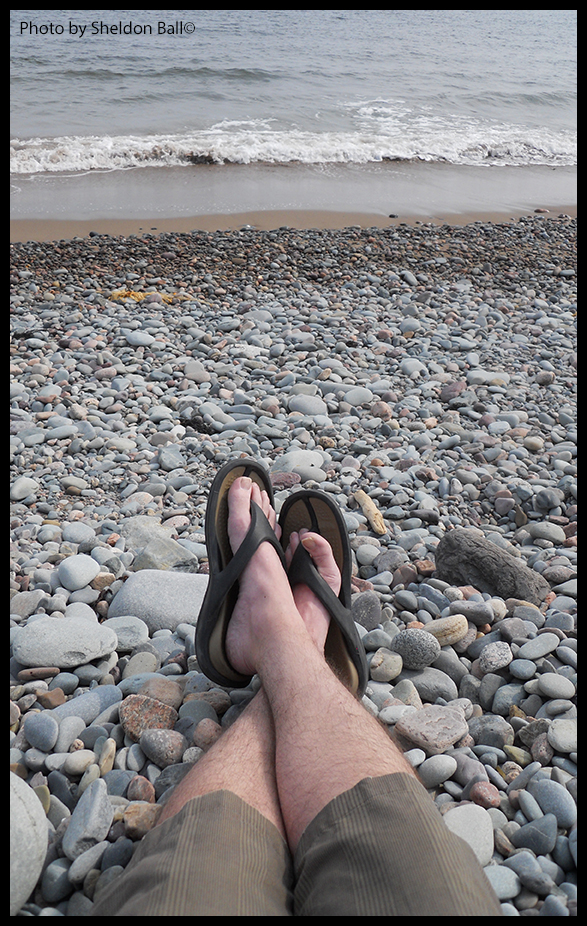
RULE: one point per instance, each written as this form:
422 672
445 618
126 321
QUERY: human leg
241 761
320 751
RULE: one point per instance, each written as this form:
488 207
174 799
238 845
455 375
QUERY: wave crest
232 143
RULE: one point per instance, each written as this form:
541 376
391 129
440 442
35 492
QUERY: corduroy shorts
379 849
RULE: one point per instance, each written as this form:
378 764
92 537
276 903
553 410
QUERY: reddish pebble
404 574
425 567
541 750
141 789
206 733
39 672
50 699
284 480
140 817
485 794
138 713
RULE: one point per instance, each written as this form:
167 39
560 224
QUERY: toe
322 557
239 510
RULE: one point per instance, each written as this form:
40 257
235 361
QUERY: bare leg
243 759
325 741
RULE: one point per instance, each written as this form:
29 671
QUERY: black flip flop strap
260 531
302 571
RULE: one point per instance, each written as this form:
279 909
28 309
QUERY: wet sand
217 197
59 229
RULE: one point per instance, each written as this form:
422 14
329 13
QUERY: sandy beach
59 229
223 197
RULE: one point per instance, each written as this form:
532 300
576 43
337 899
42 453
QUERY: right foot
313 612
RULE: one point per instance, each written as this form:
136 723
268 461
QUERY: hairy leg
325 741
243 759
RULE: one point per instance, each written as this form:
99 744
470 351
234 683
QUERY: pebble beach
422 374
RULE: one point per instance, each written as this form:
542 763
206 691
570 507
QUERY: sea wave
237 143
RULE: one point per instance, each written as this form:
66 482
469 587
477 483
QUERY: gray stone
163 747
562 735
90 820
366 609
84 863
308 405
417 648
537 835
26 603
139 338
41 730
431 683
55 883
489 730
406 599
141 529
22 487
523 669
541 645
69 730
130 631
77 571
507 695
473 824
77 532
384 665
478 612
165 554
433 728
28 841
546 530
170 457
89 705
65 642
161 599
436 769
358 395
553 685
197 710
290 461
464 557
495 656
553 797
504 881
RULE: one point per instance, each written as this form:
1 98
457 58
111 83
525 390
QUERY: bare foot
313 612
265 605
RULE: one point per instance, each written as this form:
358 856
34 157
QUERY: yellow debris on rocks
138 297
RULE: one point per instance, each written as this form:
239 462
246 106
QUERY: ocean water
247 101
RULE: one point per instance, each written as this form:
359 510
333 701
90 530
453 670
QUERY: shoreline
45 230
217 198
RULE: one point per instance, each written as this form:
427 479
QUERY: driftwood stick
371 512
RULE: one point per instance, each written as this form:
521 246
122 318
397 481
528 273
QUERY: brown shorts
380 849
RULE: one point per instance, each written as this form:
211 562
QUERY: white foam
383 133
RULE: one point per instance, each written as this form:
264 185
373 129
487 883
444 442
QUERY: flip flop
316 511
226 569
